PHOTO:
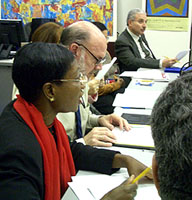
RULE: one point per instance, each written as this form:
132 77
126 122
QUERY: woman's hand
125 191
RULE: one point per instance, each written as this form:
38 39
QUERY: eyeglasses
99 61
82 79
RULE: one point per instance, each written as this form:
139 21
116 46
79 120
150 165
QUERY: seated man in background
132 48
89 46
172 134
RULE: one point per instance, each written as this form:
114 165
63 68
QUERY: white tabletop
144 156
148 192
6 62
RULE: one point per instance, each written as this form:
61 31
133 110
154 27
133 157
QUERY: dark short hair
171 123
100 25
38 63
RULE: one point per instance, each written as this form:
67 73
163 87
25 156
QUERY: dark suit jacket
128 55
21 161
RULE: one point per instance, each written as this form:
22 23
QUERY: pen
91 193
143 173
132 108
169 58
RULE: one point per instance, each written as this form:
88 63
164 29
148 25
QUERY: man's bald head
87 43
81 31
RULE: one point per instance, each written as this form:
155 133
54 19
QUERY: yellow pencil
170 58
143 173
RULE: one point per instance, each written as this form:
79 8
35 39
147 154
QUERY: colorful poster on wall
64 11
167 15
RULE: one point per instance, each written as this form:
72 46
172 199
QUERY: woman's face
68 93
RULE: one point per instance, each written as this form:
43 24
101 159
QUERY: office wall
123 7
163 43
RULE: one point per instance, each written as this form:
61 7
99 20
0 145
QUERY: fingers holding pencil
168 62
147 172
125 191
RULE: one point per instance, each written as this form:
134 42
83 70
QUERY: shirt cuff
161 63
80 140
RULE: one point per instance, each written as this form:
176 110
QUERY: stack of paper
152 74
134 99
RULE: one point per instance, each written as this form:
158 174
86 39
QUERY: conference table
145 191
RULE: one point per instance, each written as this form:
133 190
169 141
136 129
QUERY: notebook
139 137
136 118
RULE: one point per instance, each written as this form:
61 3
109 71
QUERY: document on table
94 186
134 99
138 137
152 74
105 69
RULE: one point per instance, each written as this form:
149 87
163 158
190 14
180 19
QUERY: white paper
152 74
181 54
147 191
81 191
134 99
94 187
139 135
105 69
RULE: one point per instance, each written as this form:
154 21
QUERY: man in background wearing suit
132 48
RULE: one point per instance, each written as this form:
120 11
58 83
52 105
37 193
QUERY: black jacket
21 161
128 55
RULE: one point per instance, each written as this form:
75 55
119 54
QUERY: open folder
139 137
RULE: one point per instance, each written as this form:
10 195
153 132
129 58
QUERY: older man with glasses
89 46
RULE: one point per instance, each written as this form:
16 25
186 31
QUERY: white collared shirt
136 38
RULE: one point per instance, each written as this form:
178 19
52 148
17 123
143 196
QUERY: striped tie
146 51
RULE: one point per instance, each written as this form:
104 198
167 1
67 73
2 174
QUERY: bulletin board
64 11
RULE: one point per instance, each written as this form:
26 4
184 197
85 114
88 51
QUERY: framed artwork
168 15
64 11
167 8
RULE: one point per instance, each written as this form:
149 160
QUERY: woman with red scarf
36 159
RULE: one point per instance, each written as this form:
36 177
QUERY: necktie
146 51
78 124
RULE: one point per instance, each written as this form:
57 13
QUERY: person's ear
49 91
155 172
129 22
75 49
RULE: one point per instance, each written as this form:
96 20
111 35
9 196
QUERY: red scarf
57 159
